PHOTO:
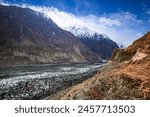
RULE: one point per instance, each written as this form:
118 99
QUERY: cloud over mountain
118 25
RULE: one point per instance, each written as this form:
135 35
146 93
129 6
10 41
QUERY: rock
126 76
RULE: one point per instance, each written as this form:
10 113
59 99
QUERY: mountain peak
98 43
79 31
86 32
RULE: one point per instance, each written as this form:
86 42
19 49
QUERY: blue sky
121 20
92 6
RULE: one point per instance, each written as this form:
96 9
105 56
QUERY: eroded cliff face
140 46
125 76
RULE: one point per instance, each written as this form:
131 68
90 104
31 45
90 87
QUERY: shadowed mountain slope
101 44
27 36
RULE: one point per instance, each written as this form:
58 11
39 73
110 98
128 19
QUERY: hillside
125 76
101 44
27 36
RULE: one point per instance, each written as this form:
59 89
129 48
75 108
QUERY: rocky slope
27 36
98 43
125 76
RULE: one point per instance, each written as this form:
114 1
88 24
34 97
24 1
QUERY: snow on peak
85 32
78 31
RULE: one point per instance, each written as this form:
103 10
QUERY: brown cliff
126 76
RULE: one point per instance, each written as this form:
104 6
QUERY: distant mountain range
27 36
101 44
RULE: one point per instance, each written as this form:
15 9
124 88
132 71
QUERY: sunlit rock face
125 76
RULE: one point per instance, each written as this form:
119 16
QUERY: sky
122 20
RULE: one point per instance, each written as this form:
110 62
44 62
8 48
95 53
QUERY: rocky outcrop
141 45
126 76
27 36
120 55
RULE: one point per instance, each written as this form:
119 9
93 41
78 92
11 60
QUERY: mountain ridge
27 36
101 44
84 32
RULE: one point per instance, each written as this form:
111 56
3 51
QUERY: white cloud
109 22
2 2
122 27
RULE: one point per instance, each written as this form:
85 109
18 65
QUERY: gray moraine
37 81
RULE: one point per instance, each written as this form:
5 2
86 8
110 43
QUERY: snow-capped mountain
101 44
86 32
78 31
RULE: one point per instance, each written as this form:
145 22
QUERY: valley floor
36 81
